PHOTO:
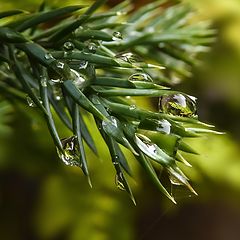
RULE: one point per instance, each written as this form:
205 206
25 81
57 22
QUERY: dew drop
48 56
78 79
120 181
70 153
178 104
30 102
117 36
164 126
83 64
129 57
140 77
68 46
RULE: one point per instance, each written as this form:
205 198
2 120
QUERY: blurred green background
40 198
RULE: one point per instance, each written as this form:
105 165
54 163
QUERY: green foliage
71 64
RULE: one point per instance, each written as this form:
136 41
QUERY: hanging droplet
30 102
178 104
43 81
68 46
120 181
129 57
70 153
140 77
83 64
78 80
48 56
117 36
92 47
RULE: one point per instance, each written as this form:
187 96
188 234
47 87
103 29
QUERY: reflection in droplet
140 77
120 181
30 102
178 104
48 56
70 153
68 46
117 36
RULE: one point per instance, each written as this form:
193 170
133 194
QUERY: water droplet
164 126
30 102
83 64
68 46
92 47
140 77
117 36
43 81
120 181
60 65
132 107
48 56
129 57
70 153
177 104
77 78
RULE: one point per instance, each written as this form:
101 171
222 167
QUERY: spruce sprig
67 61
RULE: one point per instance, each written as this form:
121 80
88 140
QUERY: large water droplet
57 92
178 104
30 102
70 153
68 46
48 56
120 181
140 77
117 36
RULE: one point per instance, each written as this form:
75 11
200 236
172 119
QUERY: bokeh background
40 198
